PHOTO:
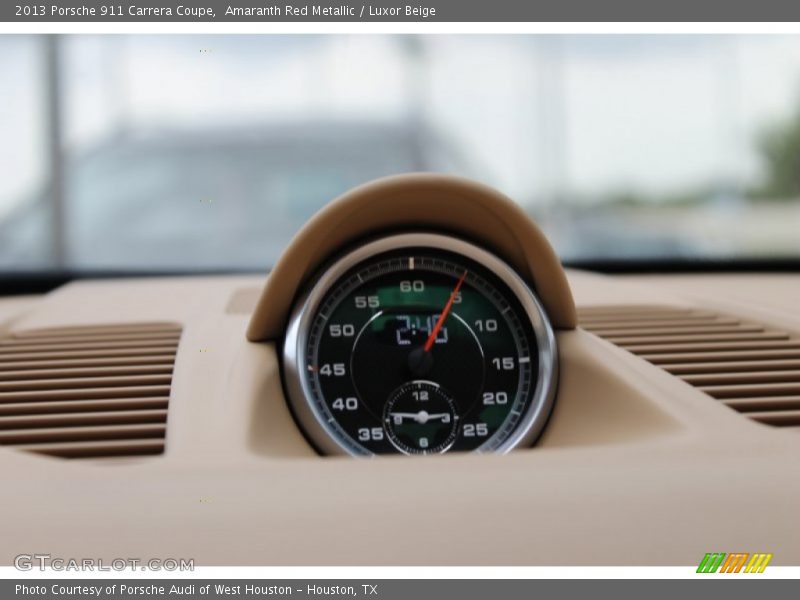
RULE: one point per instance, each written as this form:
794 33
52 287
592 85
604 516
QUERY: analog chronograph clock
419 343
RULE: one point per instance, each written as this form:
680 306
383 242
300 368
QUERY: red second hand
435 331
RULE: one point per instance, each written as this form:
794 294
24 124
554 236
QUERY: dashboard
416 373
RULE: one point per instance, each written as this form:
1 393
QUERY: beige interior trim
636 467
419 201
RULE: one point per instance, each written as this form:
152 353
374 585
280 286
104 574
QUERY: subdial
420 418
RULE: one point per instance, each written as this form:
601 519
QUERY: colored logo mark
737 562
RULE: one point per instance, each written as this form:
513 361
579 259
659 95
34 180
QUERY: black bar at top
120 11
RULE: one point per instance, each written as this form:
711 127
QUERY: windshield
188 152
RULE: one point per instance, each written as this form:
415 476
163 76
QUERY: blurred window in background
25 169
166 152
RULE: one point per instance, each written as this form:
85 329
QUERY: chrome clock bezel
325 434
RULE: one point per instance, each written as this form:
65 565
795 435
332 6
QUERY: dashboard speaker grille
82 392
746 366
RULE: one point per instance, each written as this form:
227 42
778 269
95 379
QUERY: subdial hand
421 417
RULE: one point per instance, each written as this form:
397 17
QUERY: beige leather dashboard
636 466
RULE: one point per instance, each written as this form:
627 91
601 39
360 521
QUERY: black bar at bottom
703 587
